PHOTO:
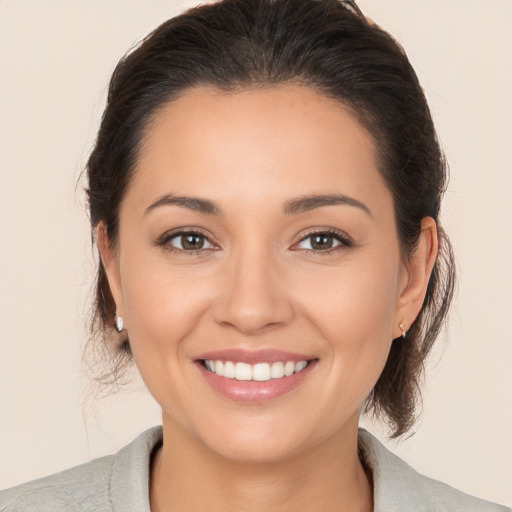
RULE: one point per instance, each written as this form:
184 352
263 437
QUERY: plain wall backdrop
55 61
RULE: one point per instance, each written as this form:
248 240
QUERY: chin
265 439
255 450
249 438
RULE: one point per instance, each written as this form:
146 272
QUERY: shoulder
83 487
96 486
399 487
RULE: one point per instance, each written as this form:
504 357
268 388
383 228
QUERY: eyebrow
291 207
307 203
192 203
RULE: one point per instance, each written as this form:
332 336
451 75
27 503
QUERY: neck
188 476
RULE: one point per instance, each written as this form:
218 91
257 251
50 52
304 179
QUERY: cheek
162 304
353 308
358 298
163 308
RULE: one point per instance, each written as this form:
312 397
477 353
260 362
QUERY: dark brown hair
326 45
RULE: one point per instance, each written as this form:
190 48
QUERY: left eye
320 242
190 242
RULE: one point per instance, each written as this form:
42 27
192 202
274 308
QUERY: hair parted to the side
326 45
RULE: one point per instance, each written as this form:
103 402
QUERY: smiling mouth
259 372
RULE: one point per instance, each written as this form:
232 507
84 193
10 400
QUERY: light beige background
55 61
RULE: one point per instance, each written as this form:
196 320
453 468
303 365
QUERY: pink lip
254 391
254 356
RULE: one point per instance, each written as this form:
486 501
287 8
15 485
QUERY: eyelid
163 240
344 240
340 236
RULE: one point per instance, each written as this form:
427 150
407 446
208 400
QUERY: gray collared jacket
120 482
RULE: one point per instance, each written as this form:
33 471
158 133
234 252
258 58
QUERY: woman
264 193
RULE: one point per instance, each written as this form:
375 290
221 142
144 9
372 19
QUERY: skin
257 283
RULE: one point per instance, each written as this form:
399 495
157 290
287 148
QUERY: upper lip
253 356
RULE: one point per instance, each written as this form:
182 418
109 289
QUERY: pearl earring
119 323
403 326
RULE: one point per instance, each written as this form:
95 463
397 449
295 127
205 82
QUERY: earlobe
419 269
111 266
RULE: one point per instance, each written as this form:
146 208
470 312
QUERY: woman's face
258 231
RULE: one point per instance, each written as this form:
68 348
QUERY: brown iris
321 241
192 242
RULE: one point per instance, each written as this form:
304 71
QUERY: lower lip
251 391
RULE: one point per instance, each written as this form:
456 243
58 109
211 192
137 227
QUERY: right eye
188 241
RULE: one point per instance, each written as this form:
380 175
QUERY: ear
111 265
418 270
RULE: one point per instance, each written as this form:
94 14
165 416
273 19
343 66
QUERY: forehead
287 140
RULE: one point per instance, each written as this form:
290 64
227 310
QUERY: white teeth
243 371
298 366
229 370
261 371
289 368
277 370
258 372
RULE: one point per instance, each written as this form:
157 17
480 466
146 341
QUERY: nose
253 298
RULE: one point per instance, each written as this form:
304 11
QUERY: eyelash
164 240
343 239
